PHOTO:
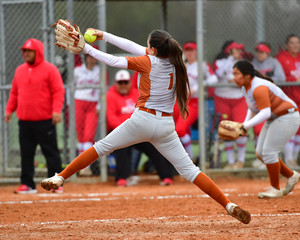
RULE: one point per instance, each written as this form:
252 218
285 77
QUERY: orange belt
153 111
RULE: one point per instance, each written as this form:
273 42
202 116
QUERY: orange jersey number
171 81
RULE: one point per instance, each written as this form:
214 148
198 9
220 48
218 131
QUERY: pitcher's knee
191 175
190 171
269 158
258 156
103 148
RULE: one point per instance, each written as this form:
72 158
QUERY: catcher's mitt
230 130
68 36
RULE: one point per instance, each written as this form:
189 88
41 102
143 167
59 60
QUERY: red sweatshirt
291 67
37 90
119 107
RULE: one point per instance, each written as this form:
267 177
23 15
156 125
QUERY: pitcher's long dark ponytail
166 46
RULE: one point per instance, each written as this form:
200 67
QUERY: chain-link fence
246 22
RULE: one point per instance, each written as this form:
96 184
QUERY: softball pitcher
267 102
162 79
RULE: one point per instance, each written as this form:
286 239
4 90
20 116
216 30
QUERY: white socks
229 148
241 148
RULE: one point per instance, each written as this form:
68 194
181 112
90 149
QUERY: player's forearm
108 59
249 115
263 115
124 44
12 103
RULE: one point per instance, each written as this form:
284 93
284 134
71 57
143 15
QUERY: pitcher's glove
230 130
68 36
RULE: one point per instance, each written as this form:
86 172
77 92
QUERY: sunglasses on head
122 82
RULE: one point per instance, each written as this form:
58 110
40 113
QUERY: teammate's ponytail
168 47
247 68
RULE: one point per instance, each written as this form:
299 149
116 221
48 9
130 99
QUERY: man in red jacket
290 62
121 100
37 96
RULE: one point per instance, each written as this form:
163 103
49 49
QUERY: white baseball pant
156 129
275 134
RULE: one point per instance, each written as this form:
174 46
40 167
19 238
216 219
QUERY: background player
267 102
86 105
290 61
37 95
229 101
269 66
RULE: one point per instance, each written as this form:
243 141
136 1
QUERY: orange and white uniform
267 102
156 82
152 119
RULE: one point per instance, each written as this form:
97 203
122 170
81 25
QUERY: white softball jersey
156 84
192 72
224 73
85 77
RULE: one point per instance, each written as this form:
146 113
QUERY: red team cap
122 75
234 45
190 45
29 44
263 48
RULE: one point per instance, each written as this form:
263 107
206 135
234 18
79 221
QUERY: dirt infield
147 211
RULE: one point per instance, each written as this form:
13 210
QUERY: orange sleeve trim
265 98
261 96
141 64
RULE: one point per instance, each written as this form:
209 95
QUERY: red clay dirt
147 211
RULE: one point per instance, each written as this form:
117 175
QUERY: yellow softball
88 36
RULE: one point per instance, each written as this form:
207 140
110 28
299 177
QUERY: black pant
32 133
123 161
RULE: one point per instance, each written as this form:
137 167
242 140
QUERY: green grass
250 151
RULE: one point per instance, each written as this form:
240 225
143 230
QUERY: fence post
51 36
102 118
4 130
1 84
72 132
201 107
45 29
260 21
